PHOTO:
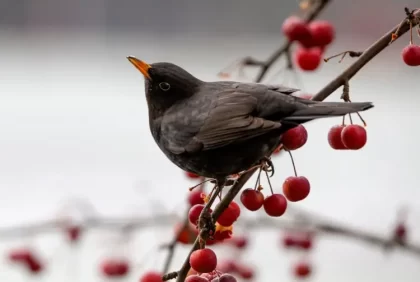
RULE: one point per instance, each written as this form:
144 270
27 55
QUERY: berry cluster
203 264
347 137
302 241
312 37
295 188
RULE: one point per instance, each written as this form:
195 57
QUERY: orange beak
141 66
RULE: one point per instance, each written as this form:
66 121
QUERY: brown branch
266 65
172 245
223 204
367 55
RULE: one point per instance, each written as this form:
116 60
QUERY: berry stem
269 182
351 120
351 54
343 123
293 162
258 181
360 117
411 33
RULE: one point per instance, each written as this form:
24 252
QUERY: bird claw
267 165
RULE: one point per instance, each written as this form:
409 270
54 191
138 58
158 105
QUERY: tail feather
327 109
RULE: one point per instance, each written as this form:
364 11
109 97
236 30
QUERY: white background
73 123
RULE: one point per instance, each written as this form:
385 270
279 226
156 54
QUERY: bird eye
164 86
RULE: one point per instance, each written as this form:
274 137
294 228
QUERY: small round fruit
151 276
245 272
308 59
194 198
354 136
334 137
289 241
302 270
229 215
306 244
194 213
226 266
252 199
73 233
296 188
295 28
295 138
203 260
322 32
226 277
411 55
192 175
196 278
239 241
275 205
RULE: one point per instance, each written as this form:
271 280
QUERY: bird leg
205 221
267 165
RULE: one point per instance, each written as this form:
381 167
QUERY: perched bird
216 129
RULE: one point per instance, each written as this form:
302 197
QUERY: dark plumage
216 129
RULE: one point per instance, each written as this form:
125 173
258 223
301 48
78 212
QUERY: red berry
295 138
151 276
334 138
192 175
296 188
354 136
73 233
226 277
308 59
322 32
252 199
239 241
295 29
194 198
20 255
306 244
411 55
194 213
34 265
289 241
245 272
275 205
203 260
196 278
400 232
302 269
187 235
229 215
226 266
122 268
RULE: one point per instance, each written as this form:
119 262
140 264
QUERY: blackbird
216 129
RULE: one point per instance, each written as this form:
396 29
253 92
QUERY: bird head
165 83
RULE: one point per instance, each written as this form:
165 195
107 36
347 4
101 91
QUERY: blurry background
73 124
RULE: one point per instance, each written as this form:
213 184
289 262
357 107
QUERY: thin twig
367 55
286 46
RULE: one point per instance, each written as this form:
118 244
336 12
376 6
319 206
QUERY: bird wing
228 116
